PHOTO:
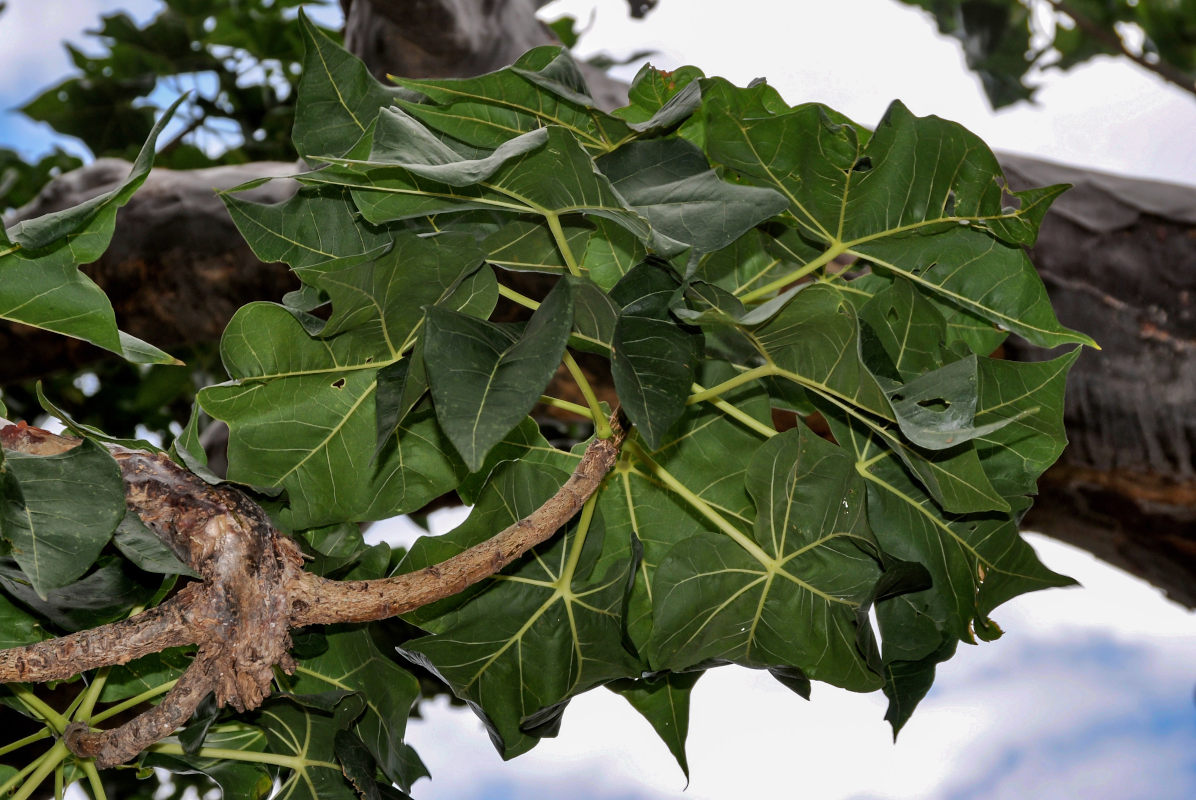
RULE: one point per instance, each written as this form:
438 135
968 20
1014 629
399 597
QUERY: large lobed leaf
733 260
303 410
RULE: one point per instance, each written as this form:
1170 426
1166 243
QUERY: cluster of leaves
1007 41
240 63
736 261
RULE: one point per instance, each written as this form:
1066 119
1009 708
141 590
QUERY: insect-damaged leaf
322 391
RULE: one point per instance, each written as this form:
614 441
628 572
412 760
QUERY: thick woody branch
116 643
317 601
118 745
254 590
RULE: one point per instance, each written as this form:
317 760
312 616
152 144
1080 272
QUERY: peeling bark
253 590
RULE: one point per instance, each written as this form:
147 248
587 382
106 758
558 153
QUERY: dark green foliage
726 255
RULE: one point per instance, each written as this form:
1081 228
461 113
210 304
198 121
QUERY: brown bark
253 590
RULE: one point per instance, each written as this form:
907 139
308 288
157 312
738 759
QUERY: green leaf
353 663
655 357
332 548
525 245
607 251
18 627
146 673
485 377
907 682
316 226
670 183
746 263
543 88
660 99
105 594
40 284
815 342
663 700
401 386
938 409
329 385
235 777
60 511
525 442
307 738
401 141
550 181
337 98
85 229
978 274
921 197
546 628
49 292
787 593
976 561
142 546
1028 397
594 316
706 459
903 334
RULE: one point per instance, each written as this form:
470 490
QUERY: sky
1092 691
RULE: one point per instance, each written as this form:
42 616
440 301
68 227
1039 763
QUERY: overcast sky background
1090 694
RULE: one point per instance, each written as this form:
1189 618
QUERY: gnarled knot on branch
253 591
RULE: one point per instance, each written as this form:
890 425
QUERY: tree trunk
1118 256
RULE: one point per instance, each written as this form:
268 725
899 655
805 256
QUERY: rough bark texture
1119 259
239 615
253 590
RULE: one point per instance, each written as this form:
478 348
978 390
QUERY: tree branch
317 601
120 744
254 589
1111 40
